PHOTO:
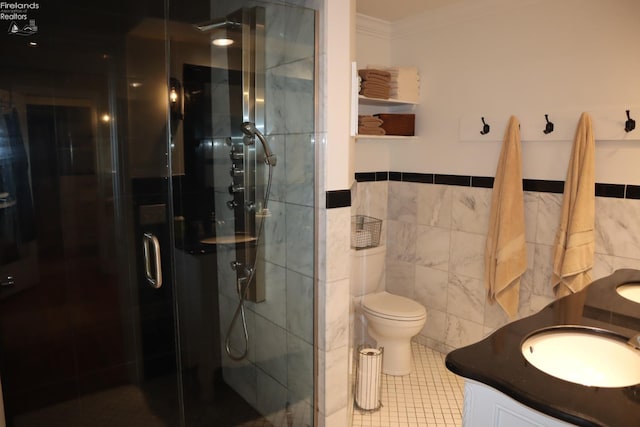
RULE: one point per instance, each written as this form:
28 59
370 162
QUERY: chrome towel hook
549 126
630 124
485 128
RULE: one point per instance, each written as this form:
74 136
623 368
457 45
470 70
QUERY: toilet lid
394 307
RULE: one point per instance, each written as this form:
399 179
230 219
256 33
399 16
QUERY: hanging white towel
506 252
574 244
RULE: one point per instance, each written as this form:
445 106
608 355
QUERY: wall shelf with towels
363 100
369 106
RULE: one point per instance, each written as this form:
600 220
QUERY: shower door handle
154 278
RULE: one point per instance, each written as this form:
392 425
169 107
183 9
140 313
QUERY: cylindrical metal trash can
369 378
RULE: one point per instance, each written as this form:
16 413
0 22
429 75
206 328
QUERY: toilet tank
367 269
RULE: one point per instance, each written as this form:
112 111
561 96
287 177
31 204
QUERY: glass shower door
221 74
248 135
131 147
85 338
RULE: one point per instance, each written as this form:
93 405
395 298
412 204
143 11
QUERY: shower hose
242 289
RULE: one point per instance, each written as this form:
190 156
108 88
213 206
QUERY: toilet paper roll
362 239
369 378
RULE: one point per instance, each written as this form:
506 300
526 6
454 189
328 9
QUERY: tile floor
130 406
430 396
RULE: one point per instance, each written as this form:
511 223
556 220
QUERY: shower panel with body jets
249 195
247 272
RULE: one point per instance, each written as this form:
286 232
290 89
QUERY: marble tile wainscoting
436 227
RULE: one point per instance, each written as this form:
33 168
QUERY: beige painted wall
503 57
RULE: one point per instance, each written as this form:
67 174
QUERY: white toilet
391 319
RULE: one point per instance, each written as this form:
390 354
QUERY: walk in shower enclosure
138 144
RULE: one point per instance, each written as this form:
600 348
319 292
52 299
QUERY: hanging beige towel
574 245
505 256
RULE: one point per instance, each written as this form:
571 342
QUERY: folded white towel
404 95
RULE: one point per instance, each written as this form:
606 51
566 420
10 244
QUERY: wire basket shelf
365 231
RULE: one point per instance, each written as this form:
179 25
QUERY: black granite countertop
497 360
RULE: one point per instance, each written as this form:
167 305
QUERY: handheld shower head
250 129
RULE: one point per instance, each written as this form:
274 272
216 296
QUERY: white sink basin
630 291
591 357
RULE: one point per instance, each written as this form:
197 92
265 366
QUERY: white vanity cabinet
484 406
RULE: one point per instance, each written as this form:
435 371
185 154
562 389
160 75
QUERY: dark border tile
543 186
338 199
382 176
610 190
424 178
482 181
633 192
395 176
459 180
618 191
365 176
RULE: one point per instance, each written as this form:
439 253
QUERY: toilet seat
393 307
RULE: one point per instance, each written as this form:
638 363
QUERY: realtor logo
20 17
27 30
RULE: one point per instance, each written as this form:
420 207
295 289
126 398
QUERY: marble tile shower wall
279 369
435 238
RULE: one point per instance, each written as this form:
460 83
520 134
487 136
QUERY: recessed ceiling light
33 44
222 42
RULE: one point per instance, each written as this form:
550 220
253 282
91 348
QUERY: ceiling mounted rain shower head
219 28
215 24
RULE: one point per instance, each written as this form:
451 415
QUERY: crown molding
373 27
